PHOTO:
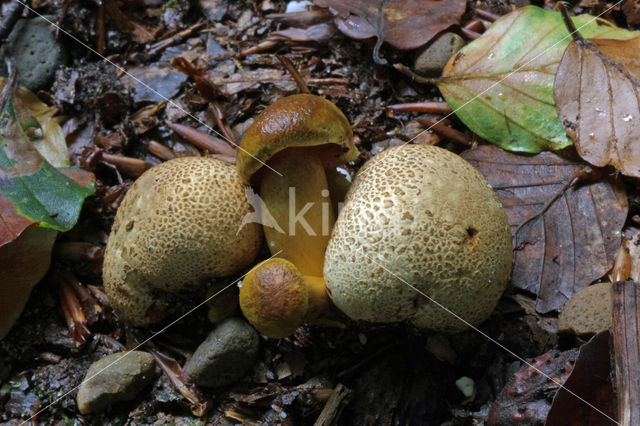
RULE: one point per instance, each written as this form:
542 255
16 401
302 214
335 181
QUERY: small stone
117 377
431 59
466 385
36 52
226 355
588 311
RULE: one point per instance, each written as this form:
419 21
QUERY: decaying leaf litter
117 136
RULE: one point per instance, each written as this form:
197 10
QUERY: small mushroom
430 218
274 298
301 138
180 224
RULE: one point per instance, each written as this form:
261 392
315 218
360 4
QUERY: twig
330 414
568 22
415 77
470 34
582 174
162 152
626 345
491 17
203 140
174 39
475 25
10 86
217 113
286 62
10 20
445 131
429 107
130 166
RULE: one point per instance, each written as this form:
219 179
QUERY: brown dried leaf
404 24
524 400
597 92
574 242
590 381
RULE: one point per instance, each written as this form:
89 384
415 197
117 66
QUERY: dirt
397 375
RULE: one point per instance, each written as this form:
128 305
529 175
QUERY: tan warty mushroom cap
433 220
274 298
179 224
295 121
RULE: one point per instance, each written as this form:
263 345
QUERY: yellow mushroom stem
300 204
319 302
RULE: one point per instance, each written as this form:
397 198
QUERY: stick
332 410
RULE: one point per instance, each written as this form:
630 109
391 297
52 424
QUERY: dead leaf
631 9
139 32
574 242
524 400
597 92
319 33
590 381
404 24
501 85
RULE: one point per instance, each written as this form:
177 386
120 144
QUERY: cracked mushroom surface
422 215
180 224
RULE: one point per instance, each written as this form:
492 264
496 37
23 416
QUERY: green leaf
501 85
35 189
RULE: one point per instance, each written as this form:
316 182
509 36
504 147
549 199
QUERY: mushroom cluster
181 223
419 224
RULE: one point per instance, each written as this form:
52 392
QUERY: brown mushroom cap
274 297
179 224
433 220
295 121
588 311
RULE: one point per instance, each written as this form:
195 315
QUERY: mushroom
274 297
420 216
301 138
180 224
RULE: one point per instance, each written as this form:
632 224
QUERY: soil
396 374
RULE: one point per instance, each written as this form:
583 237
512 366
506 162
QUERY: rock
36 52
588 311
226 355
118 377
431 60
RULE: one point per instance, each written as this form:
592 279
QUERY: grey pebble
431 60
226 355
36 52
117 377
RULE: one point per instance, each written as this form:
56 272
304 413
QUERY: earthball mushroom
420 216
180 224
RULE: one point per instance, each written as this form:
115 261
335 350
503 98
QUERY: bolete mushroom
180 224
422 215
300 138
274 297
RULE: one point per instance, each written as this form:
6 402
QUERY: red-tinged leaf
32 189
525 399
574 242
590 381
23 263
597 92
404 24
